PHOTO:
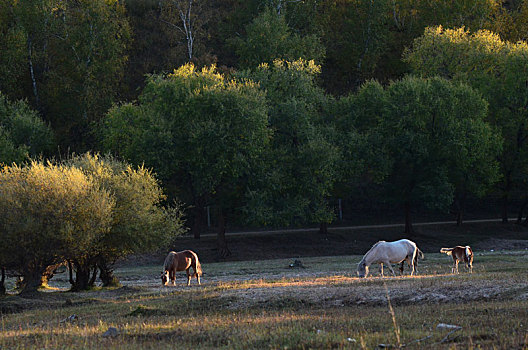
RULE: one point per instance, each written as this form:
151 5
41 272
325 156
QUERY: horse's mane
370 250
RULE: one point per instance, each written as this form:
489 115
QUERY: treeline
276 108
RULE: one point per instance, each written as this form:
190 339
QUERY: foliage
201 132
268 38
48 212
139 221
356 35
300 168
497 69
435 140
69 58
23 134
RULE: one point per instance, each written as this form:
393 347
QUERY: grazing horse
460 253
389 252
179 261
419 255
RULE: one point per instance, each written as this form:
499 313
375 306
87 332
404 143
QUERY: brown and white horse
460 253
180 261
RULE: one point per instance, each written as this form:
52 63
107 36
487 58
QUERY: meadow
270 305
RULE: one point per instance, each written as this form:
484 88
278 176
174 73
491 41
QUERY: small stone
70 318
447 326
111 332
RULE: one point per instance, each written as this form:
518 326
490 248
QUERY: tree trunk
32 280
504 215
221 243
409 231
82 277
107 274
47 275
2 282
460 205
323 228
197 221
32 72
521 210
91 283
70 273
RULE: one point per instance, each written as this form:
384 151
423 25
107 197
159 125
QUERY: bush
48 211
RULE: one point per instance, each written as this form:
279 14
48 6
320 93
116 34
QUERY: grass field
268 305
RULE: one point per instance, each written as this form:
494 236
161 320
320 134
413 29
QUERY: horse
460 253
419 254
179 261
389 252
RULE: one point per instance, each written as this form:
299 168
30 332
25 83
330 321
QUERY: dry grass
270 306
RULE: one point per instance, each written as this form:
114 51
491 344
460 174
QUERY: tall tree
268 37
73 54
201 132
427 129
497 69
300 168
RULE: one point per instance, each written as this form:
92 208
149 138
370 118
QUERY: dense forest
262 111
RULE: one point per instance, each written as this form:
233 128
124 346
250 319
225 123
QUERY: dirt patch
357 293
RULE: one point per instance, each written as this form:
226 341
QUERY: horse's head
165 277
362 269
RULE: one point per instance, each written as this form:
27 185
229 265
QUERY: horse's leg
415 263
188 276
401 268
390 268
381 269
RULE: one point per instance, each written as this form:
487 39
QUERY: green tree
67 59
139 221
268 37
47 211
88 50
497 69
200 132
23 134
356 34
300 166
433 135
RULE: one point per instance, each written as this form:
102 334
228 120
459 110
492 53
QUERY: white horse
389 253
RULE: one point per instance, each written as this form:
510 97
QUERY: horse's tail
197 265
447 251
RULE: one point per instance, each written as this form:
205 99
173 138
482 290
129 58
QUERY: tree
300 166
200 132
89 45
46 211
186 18
498 70
73 55
139 221
356 34
268 37
428 130
23 134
